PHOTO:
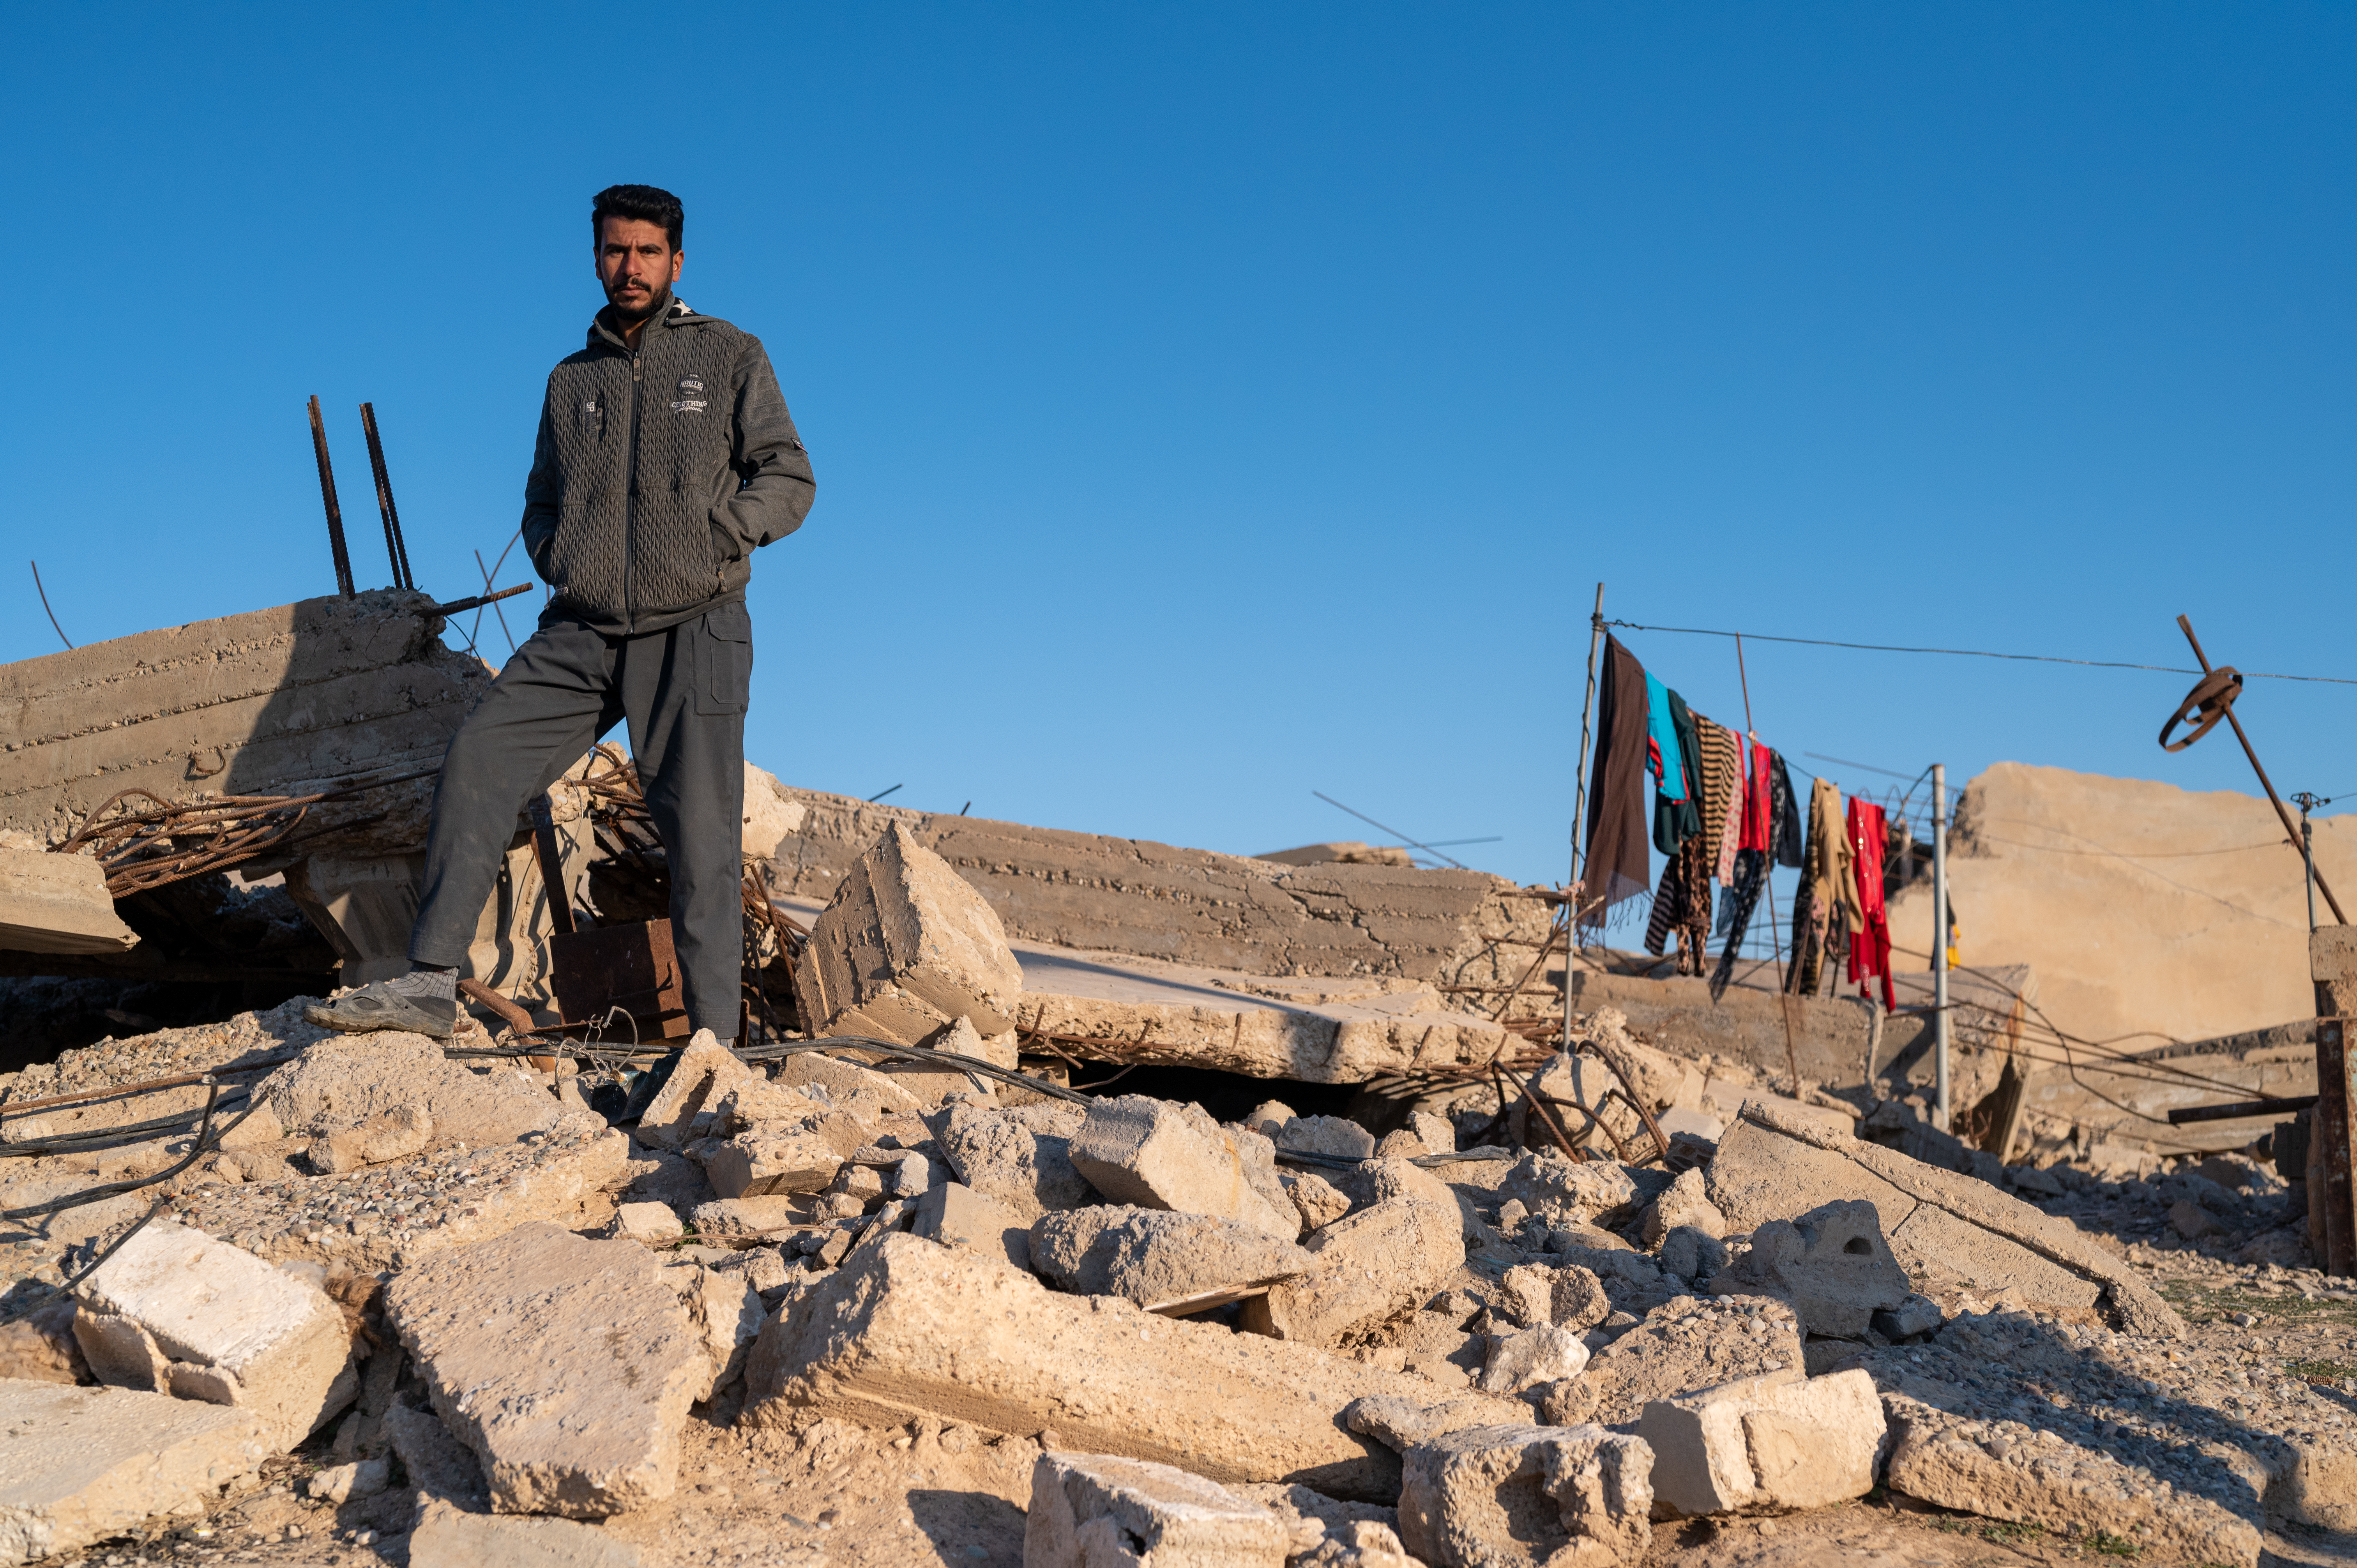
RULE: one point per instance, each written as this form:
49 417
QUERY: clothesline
1973 653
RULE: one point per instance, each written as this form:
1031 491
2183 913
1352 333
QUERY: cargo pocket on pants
724 660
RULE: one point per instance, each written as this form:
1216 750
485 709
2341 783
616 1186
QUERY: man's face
635 264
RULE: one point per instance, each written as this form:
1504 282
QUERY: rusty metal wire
172 842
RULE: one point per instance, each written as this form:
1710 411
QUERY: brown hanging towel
1616 827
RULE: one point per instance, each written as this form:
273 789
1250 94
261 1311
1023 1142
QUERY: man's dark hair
648 203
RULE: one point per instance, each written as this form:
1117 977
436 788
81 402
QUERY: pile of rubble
845 1302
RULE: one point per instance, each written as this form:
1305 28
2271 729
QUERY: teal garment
1680 819
1662 729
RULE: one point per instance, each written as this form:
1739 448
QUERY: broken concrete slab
1370 1266
1525 1358
904 948
1158 1154
772 1159
1095 1510
41 1347
1777 1440
57 903
847 1085
439 1467
1324 1136
866 1344
249 1335
1956 1463
1520 1497
1020 1159
447 1537
1193 906
344 1081
726 1312
567 1366
648 1224
1831 1265
1686 1203
284 701
396 1134
1771 1165
747 1221
955 1215
1566 1296
1688 1344
83 1465
1160 1260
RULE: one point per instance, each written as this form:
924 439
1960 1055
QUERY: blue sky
1213 405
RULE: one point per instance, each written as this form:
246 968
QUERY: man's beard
630 316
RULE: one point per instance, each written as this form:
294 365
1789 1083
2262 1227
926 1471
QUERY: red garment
1869 948
1759 804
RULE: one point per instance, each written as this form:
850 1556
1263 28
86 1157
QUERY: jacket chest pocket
723 659
589 415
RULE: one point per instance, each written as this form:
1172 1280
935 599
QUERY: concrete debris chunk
1772 1164
1098 1510
2192 1221
1687 1202
705 1073
1159 1260
1269 1117
57 904
1545 1183
1156 1154
81 1466
904 947
340 1483
447 1537
1953 1463
1529 1357
726 1311
1566 1296
847 1085
1692 1255
345 1081
395 1134
437 1465
1000 1155
1325 1531
1519 1497
41 1347
1324 1136
1771 1442
1401 1423
772 1159
272 1343
1918 1314
566 1365
867 1345
956 1216
1315 1199
1832 1265
1684 1346
745 1221
120 1353
1367 1267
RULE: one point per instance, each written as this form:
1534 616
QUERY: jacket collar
675 313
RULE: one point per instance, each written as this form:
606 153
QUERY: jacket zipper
631 497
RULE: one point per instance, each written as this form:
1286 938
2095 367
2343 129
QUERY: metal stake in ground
1580 809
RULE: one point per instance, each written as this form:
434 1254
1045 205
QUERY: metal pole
328 497
1940 938
1579 808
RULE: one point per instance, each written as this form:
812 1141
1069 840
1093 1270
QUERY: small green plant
2104 1543
2321 1371
2006 1531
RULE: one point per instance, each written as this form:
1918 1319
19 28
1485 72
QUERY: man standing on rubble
666 459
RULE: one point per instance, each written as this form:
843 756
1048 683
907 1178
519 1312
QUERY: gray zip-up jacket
659 472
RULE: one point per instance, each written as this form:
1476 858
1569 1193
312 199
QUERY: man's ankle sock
427 981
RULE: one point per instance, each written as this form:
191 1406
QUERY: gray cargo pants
683 691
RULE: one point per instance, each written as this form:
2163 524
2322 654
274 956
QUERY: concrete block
283 1346
745 1221
904 947
81 1466
447 1537
1401 1424
863 1091
726 1312
2192 1221
1772 1442
1158 1154
869 1345
769 1160
438 1465
705 1072
1098 1510
999 1154
120 1353
648 1224
1315 1199
1269 1117
1528 1356
345 1081
339 1484
1158 1258
59 904
1519 1497
1324 1136
1568 1296
567 1366
393 1134
956 1216
1686 1345
1368 1266
41 1347
1545 1182
1916 1315
1832 1263
1685 1202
